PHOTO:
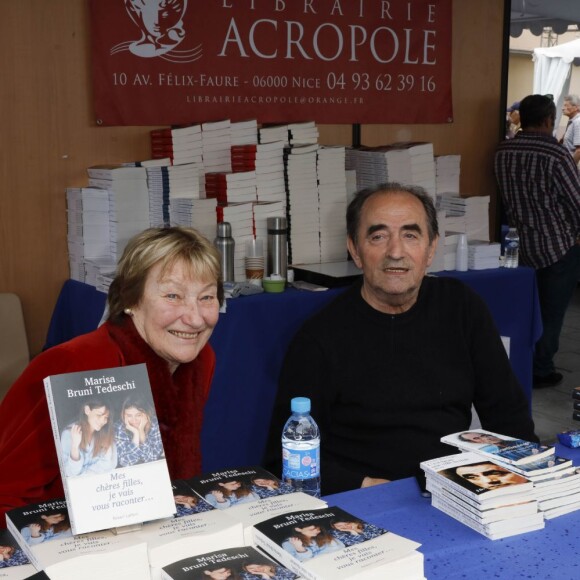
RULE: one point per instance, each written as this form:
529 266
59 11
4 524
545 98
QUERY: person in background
88 445
540 187
512 120
163 306
571 138
395 362
137 434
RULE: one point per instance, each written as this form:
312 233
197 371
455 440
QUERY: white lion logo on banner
161 26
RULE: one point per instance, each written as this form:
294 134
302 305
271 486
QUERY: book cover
14 563
477 477
242 562
333 544
109 448
43 532
500 447
251 495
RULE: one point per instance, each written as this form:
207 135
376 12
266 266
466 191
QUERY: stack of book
332 198
556 483
370 164
331 544
466 214
447 173
450 247
158 185
412 163
302 204
128 201
88 231
273 133
576 403
483 495
303 133
216 140
244 132
239 187
482 255
200 214
182 145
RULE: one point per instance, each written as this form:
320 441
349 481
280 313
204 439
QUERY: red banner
165 62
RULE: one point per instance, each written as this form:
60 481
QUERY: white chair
14 353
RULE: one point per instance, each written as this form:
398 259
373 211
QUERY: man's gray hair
573 99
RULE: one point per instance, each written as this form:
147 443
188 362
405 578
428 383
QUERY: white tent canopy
552 71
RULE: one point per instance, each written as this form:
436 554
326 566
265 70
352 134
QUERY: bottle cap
300 405
224 230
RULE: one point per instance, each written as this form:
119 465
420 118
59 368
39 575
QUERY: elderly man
396 361
540 187
571 138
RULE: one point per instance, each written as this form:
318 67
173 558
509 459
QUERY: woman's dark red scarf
179 398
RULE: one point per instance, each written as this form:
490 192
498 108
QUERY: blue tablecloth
251 339
453 551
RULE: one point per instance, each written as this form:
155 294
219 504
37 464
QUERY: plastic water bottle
512 249
301 449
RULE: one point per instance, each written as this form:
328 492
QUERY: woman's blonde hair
166 246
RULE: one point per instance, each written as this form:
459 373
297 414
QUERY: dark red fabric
29 470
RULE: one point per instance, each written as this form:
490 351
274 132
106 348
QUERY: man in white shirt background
571 139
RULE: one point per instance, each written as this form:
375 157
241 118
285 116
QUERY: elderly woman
163 306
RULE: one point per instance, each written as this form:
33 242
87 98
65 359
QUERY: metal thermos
225 245
277 250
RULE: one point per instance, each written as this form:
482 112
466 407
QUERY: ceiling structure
536 15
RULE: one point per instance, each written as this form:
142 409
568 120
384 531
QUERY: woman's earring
128 312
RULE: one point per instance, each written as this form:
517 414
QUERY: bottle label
300 464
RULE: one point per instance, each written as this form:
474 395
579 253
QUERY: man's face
393 250
569 109
489 476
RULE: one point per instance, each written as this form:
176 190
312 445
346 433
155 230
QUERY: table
251 339
453 551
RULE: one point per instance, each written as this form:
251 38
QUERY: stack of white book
241 218
88 235
186 181
412 164
239 187
449 243
466 214
200 214
128 201
350 183
303 205
96 270
303 133
556 481
244 132
158 185
438 263
332 196
447 173
217 141
274 133
331 544
482 255
370 164
483 495
187 145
